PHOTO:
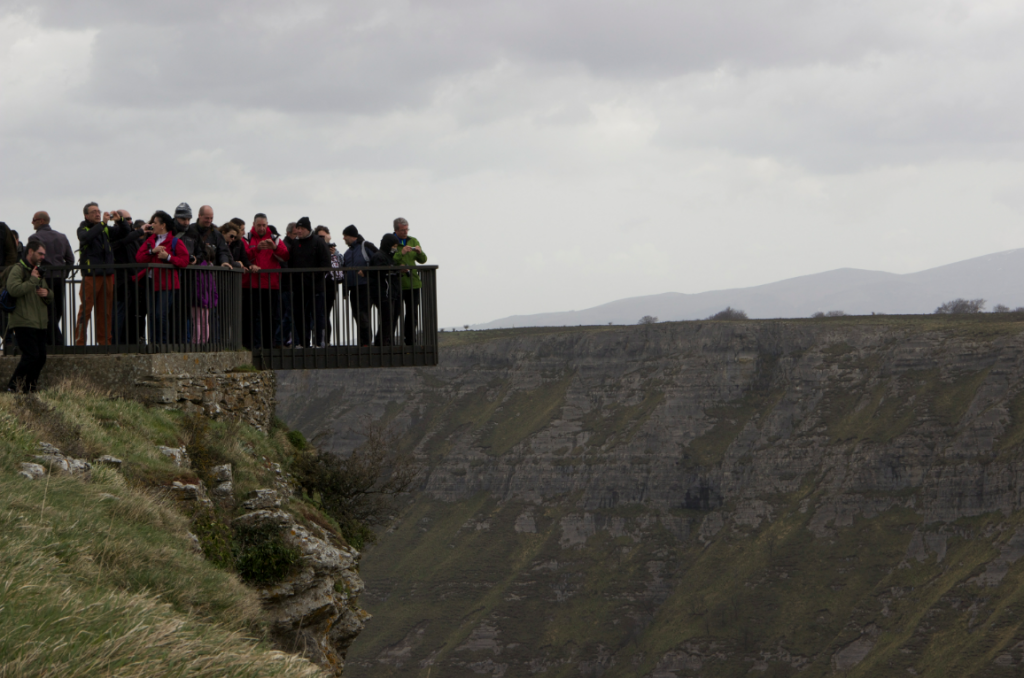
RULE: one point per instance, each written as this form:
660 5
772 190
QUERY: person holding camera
96 294
162 247
29 319
409 254
125 240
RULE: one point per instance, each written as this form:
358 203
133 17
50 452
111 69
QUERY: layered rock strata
692 498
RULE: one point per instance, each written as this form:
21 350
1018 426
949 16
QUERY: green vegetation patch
261 555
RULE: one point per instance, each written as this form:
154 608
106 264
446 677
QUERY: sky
549 156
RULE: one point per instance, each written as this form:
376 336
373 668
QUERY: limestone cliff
840 495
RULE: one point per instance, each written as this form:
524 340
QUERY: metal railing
310 318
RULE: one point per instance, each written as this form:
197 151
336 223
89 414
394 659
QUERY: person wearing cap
182 322
308 293
409 254
356 283
58 257
96 293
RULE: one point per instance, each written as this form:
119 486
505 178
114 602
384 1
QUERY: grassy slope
97 577
774 592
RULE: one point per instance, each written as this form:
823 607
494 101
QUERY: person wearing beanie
308 289
385 290
183 217
356 282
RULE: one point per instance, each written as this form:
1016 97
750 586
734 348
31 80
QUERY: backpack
7 302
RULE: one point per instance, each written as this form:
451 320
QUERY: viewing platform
286 318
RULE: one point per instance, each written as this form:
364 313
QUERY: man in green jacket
29 318
410 254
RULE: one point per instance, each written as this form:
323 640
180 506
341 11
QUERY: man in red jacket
267 253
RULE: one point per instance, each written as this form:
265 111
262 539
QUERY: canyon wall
705 498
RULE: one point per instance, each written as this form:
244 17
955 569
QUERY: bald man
58 257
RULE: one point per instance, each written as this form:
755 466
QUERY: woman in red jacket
161 248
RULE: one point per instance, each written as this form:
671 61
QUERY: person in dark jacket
97 289
8 257
8 246
28 321
356 283
127 237
207 242
385 290
308 292
58 258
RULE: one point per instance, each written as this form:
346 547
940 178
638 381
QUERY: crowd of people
159 282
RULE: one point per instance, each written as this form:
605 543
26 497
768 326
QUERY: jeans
55 312
411 298
359 302
32 343
160 317
283 332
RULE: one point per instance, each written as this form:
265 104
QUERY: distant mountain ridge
998 278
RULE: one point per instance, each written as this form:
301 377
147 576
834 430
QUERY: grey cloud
371 57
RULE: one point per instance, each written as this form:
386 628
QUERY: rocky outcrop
664 448
53 461
314 610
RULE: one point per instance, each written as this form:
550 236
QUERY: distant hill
998 278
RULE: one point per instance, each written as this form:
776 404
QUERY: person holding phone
29 319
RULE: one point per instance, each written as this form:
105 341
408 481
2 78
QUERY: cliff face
821 496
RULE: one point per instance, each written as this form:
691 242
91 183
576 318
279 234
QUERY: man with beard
29 318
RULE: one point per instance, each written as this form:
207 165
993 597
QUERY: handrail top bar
214 267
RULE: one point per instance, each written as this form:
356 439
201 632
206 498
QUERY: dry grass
97 576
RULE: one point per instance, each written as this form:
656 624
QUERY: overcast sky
549 155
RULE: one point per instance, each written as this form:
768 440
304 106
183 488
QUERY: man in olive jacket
29 318
409 254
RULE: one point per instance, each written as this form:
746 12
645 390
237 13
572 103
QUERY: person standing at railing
357 283
58 258
308 289
208 248
409 254
97 289
267 253
29 318
163 247
232 233
180 316
385 290
332 280
125 241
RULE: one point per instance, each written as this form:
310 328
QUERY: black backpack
8 246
